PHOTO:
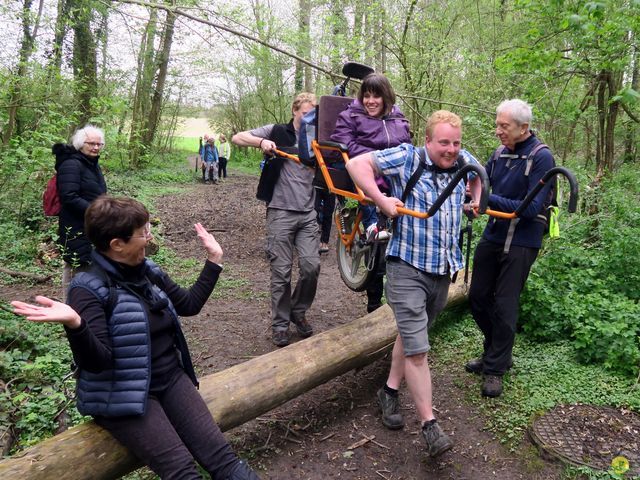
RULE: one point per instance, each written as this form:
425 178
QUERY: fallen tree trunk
234 396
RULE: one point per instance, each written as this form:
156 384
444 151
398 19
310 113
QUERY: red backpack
50 198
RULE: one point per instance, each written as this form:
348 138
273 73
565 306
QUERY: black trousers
375 288
324 205
176 431
494 298
222 167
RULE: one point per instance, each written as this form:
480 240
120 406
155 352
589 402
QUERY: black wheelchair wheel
354 264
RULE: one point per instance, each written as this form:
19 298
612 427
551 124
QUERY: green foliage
586 285
188 145
35 361
586 473
544 375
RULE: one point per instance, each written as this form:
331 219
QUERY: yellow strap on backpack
554 224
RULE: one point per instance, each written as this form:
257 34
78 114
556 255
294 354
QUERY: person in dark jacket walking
507 248
135 374
372 122
80 181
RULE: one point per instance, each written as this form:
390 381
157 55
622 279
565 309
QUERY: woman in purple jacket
372 122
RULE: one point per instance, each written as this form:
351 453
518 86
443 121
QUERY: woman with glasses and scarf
80 181
135 375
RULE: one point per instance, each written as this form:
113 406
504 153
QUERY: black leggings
176 431
222 167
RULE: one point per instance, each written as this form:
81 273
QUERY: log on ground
234 396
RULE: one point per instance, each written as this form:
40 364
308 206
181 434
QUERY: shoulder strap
416 174
532 155
495 156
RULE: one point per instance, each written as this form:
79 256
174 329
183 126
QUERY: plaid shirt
430 245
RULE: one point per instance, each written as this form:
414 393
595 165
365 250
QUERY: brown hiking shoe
280 338
438 442
391 417
492 386
304 328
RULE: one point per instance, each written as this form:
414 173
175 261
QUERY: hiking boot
438 442
372 307
280 338
492 386
391 417
304 328
475 365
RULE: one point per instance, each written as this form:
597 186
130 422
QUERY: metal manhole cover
590 435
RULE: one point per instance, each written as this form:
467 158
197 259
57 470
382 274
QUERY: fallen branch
362 442
31 276
234 396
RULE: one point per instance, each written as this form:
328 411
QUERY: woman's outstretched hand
211 245
48 311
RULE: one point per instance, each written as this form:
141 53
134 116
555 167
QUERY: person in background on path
324 205
507 249
372 122
135 375
291 224
421 258
224 155
209 156
79 181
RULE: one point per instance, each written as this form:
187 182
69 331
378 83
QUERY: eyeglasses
146 234
94 144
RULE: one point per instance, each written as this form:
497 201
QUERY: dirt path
309 437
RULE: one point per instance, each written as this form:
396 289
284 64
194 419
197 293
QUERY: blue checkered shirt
431 244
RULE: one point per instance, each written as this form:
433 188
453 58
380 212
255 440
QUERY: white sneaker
374 234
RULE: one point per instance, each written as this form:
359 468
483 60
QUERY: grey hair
519 110
79 137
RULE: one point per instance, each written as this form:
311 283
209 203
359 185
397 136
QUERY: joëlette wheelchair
358 258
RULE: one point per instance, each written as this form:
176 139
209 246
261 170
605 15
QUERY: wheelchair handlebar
469 167
286 155
573 193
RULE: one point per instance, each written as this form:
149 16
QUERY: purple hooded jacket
362 133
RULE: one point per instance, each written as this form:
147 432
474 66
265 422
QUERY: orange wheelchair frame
351 249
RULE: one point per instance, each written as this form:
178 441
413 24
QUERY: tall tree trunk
630 145
85 68
102 37
62 19
158 93
142 95
303 47
13 124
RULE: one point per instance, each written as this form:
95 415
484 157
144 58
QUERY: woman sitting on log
135 376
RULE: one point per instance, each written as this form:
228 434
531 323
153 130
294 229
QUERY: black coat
80 181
